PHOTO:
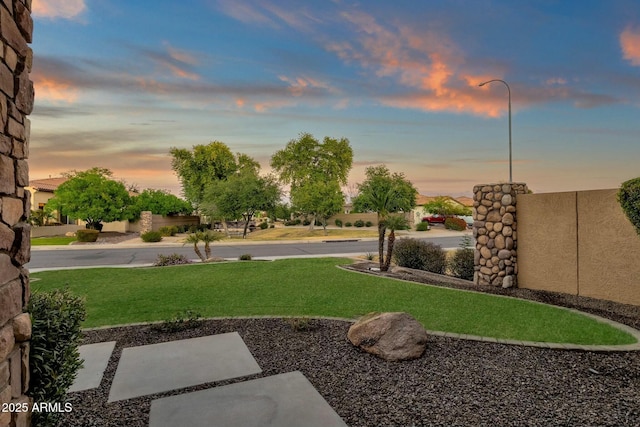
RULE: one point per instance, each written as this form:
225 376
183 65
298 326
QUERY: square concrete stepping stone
172 365
285 400
95 358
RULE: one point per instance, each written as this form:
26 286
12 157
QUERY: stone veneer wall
16 102
495 231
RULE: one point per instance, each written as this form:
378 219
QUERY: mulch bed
455 383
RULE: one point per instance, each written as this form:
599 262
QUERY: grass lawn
55 240
314 287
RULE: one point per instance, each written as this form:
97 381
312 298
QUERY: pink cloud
65 9
630 43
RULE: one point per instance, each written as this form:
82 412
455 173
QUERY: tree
319 198
241 195
305 162
393 223
203 236
445 206
160 202
200 167
384 193
92 196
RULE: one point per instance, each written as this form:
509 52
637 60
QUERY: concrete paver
95 358
173 365
285 400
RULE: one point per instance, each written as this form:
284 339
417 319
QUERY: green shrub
422 226
272 226
151 236
461 264
299 324
358 223
87 235
347 224
454 223
264 225
412 253
629 199
168 230
306 222
192 229
368 224
173 259
56 317
245 257
186 319
339 223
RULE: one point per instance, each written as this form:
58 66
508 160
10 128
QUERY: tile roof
47 184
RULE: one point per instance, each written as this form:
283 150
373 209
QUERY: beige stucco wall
578 243
609 263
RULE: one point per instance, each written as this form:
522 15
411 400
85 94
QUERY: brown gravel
455 383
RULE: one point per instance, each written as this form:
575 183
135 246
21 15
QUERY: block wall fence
16 103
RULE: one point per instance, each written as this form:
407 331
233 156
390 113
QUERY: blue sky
120 82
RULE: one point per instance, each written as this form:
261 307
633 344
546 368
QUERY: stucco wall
578 243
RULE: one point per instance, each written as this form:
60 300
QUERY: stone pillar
146 221
495 230
16 102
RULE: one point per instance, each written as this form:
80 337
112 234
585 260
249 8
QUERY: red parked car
434 219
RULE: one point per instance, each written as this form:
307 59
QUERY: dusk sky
119 82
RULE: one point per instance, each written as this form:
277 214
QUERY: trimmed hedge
87 235
454 223
461 264
413 253
151 236
54 360
629 199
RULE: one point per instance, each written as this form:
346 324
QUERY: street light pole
508 90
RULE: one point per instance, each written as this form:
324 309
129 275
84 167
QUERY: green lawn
56 240
314 287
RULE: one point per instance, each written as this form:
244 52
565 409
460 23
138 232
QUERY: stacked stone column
16 102
495 230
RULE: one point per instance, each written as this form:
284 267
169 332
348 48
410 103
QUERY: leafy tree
629 199
241 195
445 206
385 193
305 162
207 237
321 199
160 202
92 196
202 166
393 223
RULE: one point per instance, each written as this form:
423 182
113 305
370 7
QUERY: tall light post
509 90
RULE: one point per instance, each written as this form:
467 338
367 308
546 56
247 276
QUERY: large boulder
391 336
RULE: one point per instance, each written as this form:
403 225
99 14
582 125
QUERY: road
96 256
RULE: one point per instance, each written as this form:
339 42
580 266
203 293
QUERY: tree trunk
390 243
313 222
246 225
207 250
197 251
382 230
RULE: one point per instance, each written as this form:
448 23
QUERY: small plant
272 226
87 235
299 324
461 264
168 230
193 229
422 226
369 256
151 236
348 224
339 223
264 225
420 255
185 319
56 318
245 257
358 223
306 222
173 259
629 199
456 224
368 224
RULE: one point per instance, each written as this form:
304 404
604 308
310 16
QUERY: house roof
48 184
467 201
421 199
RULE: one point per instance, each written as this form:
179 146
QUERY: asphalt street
82 256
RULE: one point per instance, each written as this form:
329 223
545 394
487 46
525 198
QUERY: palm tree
195 239
207 237
393 223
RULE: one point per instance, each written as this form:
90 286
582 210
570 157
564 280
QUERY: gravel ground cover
455 383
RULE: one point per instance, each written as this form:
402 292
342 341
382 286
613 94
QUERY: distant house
419 212
41 190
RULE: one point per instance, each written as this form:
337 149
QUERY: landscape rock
391 336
